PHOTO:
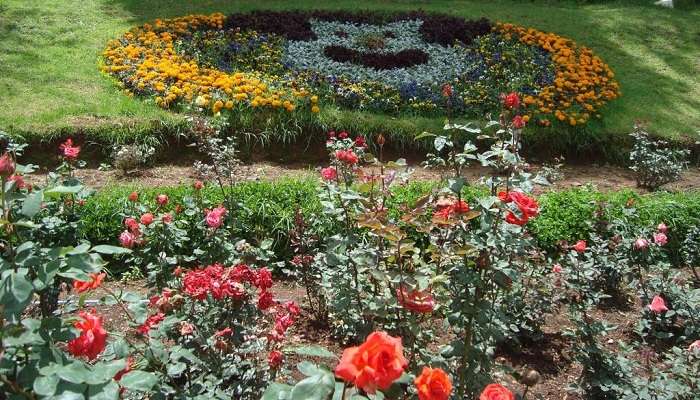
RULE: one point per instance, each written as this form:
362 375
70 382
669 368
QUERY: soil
605 177
551 356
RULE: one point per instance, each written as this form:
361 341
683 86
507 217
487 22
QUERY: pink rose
518 122
215 217
127 239
167 218
580 246
198 185
186 328
695 346
329 173
162 199
658 305
660 239
557 269
641 244
662 228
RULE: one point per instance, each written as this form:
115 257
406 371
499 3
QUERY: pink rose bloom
557 269
662 228
695 346
147 219
641 244
660 239
658 305
215 217
198 185
162 199
580 246
167 218
70 151
127 239
186 328
329 173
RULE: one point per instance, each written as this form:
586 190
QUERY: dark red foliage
295 25
380 61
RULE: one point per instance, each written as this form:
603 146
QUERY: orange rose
94 282
495 391
433 384
375 364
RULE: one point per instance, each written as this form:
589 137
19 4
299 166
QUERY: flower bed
397 63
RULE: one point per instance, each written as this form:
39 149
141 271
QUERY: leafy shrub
654 162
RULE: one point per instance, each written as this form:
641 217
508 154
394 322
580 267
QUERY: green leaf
106 249
311 351
107 391
277 391
65 189
45 385
317 387
32 204
139 380
21 287
74 372
175 369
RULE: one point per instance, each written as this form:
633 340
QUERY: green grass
51 86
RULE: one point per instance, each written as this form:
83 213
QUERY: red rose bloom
133 196
275 359
92 339
375 364
495 391
147 219
150 323
527 205
7 165
162 199
580 246
419 301
94 282
265 300
511 100
433 384
518 122
347 156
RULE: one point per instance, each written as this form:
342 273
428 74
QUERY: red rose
527 205
263 279
275 359
150 323
504 197
147 219
495 391
265 300
94 282
511 218
343 135
198 185
375 364
360 141
510 100
329 174
580 246
223 332
133 196
447 90
433 384
7 165
420 301
347 156
92 339
518 122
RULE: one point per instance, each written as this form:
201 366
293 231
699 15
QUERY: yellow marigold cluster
144 60
583 82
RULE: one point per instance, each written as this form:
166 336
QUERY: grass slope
50 83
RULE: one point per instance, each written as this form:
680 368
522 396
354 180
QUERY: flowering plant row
396 63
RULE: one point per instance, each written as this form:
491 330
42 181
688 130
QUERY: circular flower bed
390 63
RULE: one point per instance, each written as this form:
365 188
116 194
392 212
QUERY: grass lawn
49 53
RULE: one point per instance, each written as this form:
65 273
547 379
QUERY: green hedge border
268 209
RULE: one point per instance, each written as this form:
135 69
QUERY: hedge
268 209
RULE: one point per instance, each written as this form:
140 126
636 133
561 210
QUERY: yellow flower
315 109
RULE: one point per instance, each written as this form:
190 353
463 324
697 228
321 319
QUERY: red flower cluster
347 156
527 205
92 339
419 301
221 282
70 152
94 282
375 364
